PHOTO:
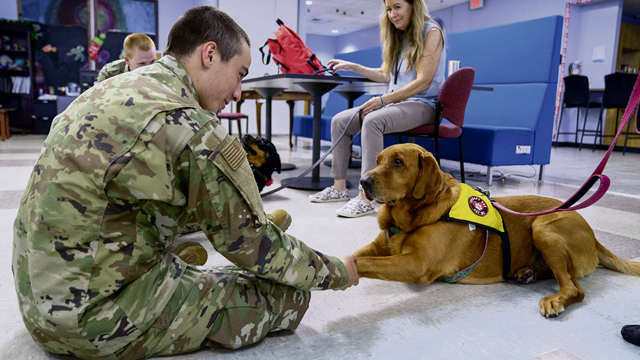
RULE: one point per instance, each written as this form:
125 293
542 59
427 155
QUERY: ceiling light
309 2
335 31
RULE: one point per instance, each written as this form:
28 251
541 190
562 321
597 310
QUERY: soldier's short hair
137 41
203 24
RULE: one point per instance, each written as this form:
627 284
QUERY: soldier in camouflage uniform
139 51
123 169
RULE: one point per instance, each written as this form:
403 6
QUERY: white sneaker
356 207
329 194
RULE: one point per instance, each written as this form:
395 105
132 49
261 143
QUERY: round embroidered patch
478 206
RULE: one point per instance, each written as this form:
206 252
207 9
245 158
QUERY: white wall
168 13
258 19
9 10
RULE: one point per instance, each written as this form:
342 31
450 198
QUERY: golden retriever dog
415 194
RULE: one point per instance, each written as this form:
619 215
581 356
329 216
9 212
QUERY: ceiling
324 16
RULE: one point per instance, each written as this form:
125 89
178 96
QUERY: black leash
359 113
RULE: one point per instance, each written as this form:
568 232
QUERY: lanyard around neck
398 64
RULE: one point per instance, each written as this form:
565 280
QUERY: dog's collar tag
392 231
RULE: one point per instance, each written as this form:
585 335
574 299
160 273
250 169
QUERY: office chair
576 95
451 105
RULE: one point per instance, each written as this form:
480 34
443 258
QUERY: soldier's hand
349 262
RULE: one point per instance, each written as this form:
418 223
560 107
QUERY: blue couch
511 125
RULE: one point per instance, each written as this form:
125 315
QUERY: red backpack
290 53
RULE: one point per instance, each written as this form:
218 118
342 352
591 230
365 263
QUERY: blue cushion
303 126
523 52
486 145
527 106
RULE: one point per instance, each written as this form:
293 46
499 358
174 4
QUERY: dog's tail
612 262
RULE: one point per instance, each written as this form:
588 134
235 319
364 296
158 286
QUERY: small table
317 85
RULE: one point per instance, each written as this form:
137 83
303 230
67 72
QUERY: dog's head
262 154
404 171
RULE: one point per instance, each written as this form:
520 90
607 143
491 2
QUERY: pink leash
568 205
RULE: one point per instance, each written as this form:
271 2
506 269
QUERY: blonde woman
413 51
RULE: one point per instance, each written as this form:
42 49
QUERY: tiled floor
384 320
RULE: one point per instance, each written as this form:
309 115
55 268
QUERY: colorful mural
111 15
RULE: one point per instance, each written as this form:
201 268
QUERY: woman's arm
370 73
425 68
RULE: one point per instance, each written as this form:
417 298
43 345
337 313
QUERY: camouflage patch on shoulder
234 154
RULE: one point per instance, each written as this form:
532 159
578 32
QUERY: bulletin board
57 47
51 54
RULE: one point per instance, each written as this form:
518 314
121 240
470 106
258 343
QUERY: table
271 86
288 96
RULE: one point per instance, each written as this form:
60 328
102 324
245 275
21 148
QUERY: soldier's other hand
349 262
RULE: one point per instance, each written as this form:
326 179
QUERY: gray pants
392 118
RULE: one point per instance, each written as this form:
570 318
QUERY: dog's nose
367 182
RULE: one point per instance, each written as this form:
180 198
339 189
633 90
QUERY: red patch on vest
478 206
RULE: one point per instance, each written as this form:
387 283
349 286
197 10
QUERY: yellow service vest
474 207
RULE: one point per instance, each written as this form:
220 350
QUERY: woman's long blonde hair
393 39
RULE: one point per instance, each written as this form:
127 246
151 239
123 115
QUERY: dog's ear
278 164
429 177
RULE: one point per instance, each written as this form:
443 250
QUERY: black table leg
315 182
269 94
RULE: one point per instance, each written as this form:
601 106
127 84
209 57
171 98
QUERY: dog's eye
397 163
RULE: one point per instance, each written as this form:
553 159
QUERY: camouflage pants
194 319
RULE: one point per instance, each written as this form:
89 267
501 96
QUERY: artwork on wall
111 15
60 52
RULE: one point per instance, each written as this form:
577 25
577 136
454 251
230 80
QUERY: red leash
568 205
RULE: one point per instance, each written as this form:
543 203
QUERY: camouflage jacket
112 69
122 170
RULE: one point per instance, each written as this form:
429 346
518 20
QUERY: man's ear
429 177
209 52
127 61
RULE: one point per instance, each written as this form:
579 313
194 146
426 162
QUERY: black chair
617 90
576 95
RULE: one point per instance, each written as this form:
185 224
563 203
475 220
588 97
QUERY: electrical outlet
522 149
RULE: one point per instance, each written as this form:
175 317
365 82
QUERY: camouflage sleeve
228 207
102 75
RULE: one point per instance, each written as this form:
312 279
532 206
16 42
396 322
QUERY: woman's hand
336 65
349 262
375 103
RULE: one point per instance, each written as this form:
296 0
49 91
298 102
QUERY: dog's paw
526 276
551 307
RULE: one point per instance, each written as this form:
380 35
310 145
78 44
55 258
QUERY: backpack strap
310 62
268 53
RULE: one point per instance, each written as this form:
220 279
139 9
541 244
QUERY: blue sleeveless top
403 78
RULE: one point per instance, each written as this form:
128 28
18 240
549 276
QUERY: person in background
123 170
139 51
413 51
